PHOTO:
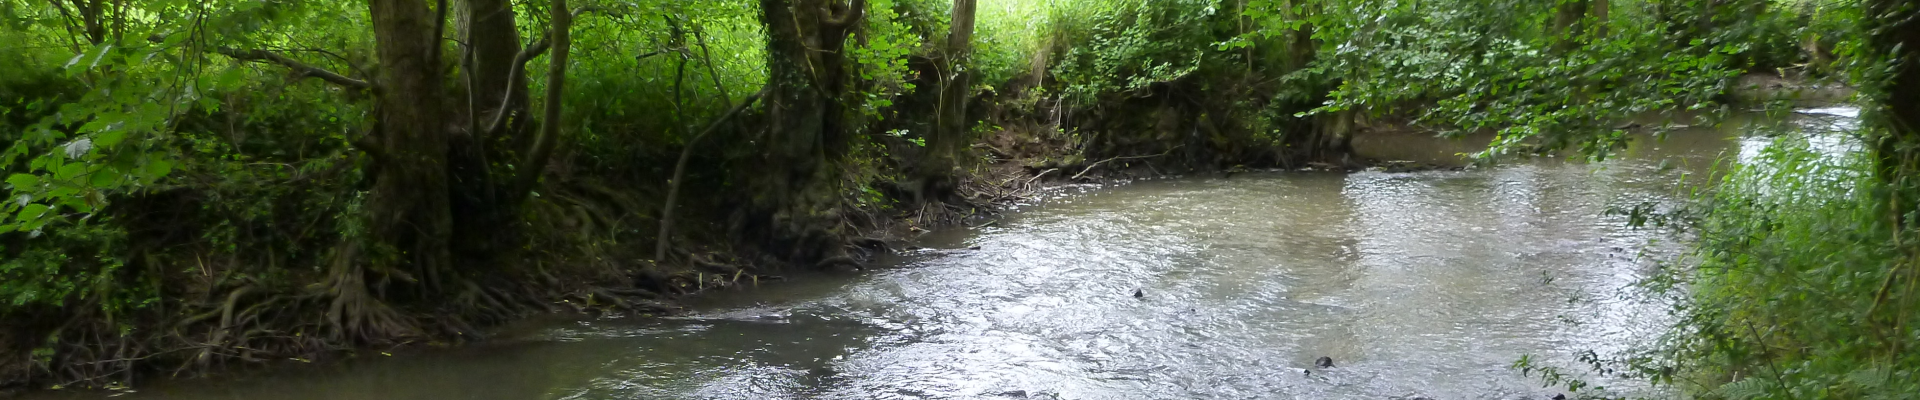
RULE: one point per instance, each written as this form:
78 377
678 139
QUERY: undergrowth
1804 288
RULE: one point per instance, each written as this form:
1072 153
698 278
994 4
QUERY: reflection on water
1416 284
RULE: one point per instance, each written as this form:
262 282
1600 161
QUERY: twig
1044 173
1095 165
1777 378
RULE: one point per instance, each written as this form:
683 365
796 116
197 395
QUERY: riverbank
591 250
706 260
586 261
1418 284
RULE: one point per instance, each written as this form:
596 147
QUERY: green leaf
110 137
32 212
23 181
231 78
101 55
158 168
1748 388
105 178
70 171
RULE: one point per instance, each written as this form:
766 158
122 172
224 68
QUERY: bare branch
1097 165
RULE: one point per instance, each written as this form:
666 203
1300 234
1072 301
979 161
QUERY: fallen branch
1096 165
1044 173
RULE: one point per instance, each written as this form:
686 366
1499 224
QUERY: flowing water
1423 284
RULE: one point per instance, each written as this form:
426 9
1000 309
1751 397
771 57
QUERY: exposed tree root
355 314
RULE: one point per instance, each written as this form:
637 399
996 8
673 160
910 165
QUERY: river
1423 284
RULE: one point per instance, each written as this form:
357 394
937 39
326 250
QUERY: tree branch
72 24
852 14
1097 165
549 137
706 54
680 168
304 69
520 67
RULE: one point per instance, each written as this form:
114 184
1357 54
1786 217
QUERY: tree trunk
1897 151
950 131
1329 135
92 13
535 164
487 27
1602 17
795 188
408 206
1567 26
492 41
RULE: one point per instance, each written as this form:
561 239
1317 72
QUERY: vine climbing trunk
950 131
795 189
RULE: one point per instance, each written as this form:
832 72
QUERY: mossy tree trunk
426 170
796 185
409 206
936 169
1893 33
407 213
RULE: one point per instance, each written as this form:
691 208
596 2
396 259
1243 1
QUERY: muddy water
1416 284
